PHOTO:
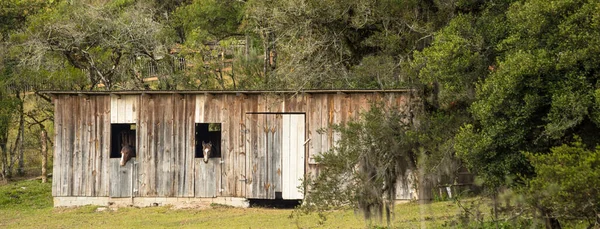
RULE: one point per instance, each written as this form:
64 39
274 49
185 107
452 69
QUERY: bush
567 182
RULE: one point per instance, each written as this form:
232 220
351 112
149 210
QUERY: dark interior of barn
121 134
208 132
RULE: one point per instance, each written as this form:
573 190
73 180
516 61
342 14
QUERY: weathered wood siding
208 177
166 146
123 178
82 146
124 109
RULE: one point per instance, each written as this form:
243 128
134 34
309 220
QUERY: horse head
207 149
126 154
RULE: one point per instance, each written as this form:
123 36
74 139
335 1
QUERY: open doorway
208 132
120 135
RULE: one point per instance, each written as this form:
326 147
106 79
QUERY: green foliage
363 168
461 54
542 91
14 14
341 44
104 40
26 195
567 181
208 20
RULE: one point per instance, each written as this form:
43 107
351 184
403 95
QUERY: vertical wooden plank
151 169
160 145
129 109
189 144
85 140
169 157
276 154
93 154
261 158
113 109
58 151
143 149
288 190
200 103
72 142
286 149
240 144
76 155
300 154
224 186
105 143
231 175
178 163
251 147
95 146
337 115
243 149
315 119
90 146
271 153
68 149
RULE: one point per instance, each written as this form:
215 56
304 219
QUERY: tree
385 146
329 44
104 41
7 106
363 168
542 91
567 182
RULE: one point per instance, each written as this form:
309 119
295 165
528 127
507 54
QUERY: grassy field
28 204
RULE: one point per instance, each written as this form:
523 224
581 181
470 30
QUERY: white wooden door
293 155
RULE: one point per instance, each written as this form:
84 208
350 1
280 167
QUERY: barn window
208 132
121 134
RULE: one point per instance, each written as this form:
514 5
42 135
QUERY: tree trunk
4 158
21 166
550 221
3 149
247 47
267 57
43 139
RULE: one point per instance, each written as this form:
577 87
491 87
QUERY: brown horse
127 153
206 149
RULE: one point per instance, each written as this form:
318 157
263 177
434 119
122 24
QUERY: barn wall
165 138
82 145
166 145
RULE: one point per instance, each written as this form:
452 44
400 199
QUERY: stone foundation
176 202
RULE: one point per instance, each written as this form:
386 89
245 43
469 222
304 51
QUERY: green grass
28 204
26 195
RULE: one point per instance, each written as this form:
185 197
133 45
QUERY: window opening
120 135
208 133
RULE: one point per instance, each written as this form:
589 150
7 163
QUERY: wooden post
44 142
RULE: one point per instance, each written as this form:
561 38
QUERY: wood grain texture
80 152
252 144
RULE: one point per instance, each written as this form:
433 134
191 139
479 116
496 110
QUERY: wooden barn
263 142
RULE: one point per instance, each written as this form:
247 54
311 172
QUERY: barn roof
136 92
